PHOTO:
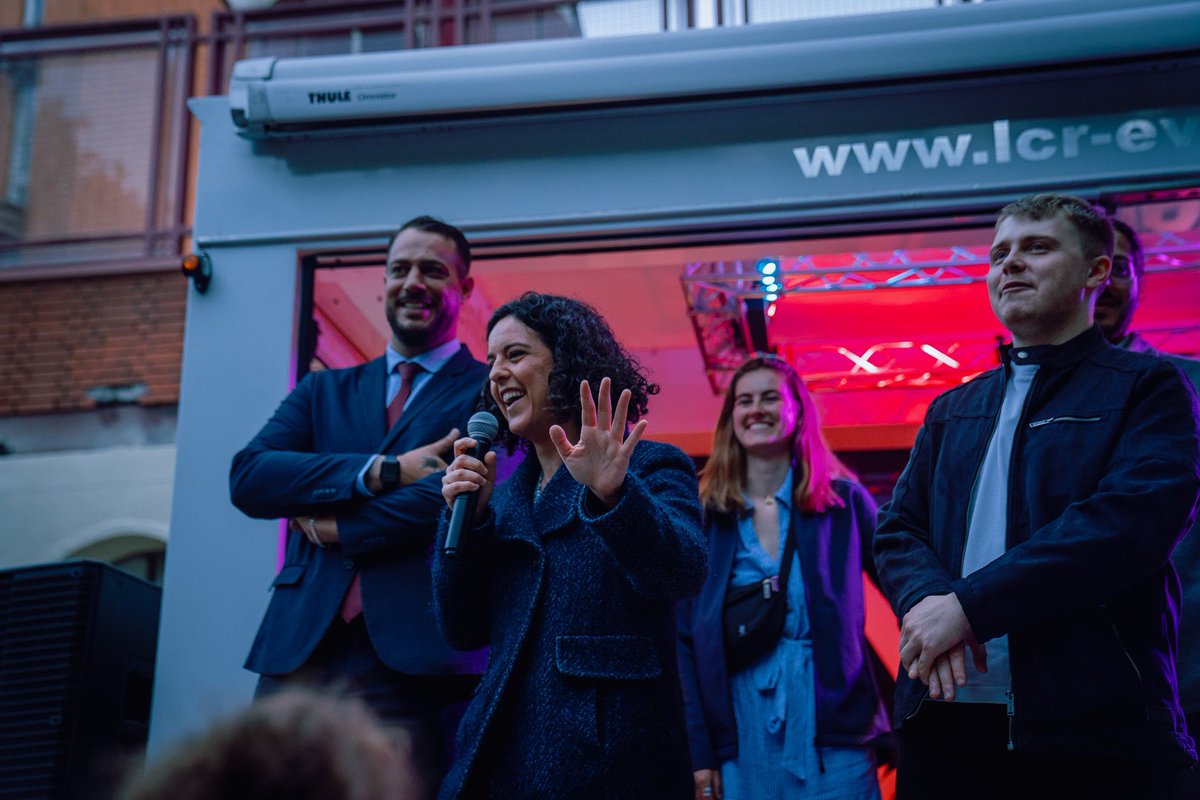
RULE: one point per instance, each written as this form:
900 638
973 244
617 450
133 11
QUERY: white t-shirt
987 532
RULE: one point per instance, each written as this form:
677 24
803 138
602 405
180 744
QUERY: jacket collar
431 360
556 506
1057 355
1136 344
432 395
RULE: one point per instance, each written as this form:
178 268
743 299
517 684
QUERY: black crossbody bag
754 613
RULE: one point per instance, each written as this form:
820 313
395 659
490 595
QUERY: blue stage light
768 266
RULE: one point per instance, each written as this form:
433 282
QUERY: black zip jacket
1104 481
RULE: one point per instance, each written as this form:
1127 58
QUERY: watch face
389 472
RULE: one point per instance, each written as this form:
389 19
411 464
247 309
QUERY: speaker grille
69 634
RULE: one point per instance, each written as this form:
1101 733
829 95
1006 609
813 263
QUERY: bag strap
789 548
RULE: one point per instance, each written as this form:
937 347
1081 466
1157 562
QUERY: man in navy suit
352 606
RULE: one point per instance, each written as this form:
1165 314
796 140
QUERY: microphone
482 427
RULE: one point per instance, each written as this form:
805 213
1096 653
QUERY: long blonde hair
723 479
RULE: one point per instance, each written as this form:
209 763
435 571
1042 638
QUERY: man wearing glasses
1114 314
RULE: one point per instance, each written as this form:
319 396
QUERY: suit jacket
581 698
305 461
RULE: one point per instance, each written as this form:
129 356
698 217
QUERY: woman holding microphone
570 572
790 708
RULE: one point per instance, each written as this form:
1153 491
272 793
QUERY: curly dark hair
583 347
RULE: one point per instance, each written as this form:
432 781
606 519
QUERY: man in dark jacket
353 459
1026 548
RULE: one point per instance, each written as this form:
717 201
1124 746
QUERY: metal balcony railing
94 128
405 24
94 144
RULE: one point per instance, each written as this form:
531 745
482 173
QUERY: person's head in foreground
295 745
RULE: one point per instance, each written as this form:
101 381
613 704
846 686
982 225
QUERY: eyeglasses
1122 272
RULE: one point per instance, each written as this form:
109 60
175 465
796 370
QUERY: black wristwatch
389 473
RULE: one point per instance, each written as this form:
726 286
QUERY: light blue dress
774 702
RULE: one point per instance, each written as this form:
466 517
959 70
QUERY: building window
79 106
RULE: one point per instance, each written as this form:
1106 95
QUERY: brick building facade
97 154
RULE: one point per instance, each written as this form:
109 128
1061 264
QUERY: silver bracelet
312 533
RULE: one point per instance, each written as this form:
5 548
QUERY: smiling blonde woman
801 719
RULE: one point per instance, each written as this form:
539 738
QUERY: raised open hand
601 456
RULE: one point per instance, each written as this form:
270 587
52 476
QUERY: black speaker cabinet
77 644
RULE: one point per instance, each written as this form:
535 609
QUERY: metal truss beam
717 294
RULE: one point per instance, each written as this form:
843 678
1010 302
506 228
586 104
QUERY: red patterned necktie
352 604
407 371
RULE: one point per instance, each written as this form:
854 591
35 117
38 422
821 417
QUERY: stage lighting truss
906 364
718 292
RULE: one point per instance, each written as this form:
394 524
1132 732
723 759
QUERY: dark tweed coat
581 697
